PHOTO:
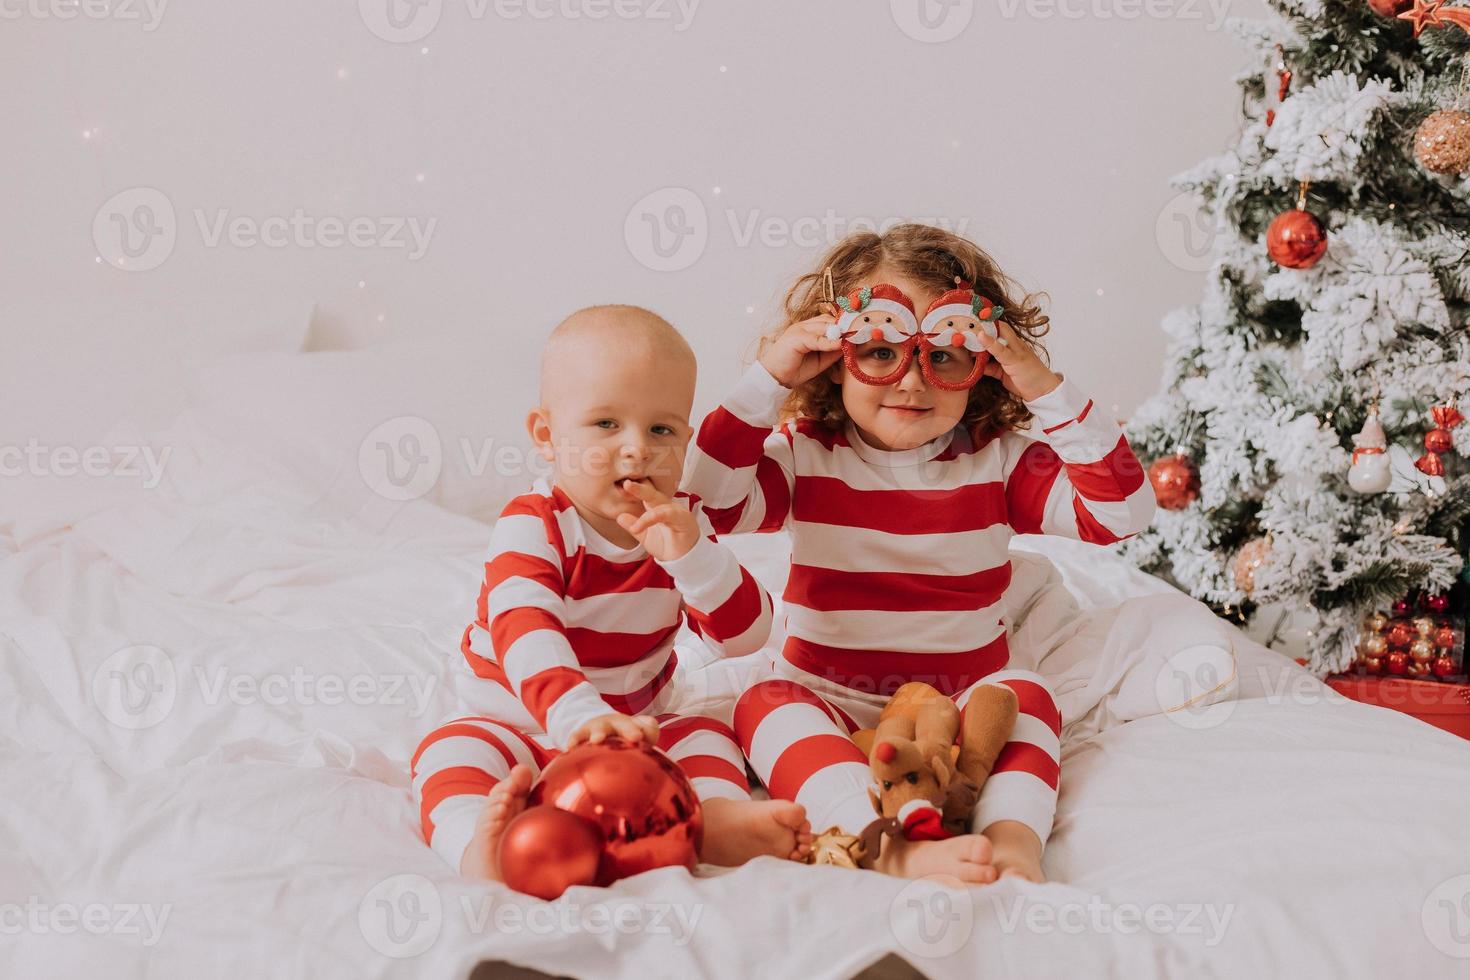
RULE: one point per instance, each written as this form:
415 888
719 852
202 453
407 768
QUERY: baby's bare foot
737 830
505 801
967 857
1017 850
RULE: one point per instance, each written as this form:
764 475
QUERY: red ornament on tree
1439 440
1175 481
544 851
1296 240
1389 8
640 802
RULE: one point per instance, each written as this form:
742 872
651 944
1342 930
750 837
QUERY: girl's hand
667 529
1016 365
802 352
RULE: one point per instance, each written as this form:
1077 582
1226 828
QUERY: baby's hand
802 352
1016 365
667 529
631 728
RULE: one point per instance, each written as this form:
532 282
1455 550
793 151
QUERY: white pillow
436 420
84 379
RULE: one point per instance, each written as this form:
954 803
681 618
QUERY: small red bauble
1397 662
1401 607
1437 603
1400 635
1443 666
1175 481
1296 240
1389 8
544 851
1445 637
640 801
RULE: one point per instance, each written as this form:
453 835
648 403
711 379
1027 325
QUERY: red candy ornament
1439 440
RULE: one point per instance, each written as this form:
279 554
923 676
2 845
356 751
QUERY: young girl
902 472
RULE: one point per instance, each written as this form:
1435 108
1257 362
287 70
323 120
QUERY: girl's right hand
802 352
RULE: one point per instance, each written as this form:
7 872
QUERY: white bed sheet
251 817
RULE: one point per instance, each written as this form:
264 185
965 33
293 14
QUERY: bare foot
1017 850
506 799
967 857
737 830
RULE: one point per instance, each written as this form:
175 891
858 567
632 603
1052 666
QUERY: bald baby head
614 341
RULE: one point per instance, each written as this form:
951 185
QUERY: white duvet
210 691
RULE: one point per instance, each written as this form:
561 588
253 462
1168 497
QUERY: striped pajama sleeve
740 465
725 606
524 604
1078 477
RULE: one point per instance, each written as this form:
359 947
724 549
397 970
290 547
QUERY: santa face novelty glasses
881 334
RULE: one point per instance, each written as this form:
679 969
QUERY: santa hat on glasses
875 312
964 305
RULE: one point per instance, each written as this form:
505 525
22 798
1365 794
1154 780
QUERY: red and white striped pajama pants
795 729
457 763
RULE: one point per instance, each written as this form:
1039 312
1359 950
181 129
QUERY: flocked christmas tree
1306 447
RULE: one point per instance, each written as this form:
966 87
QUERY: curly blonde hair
934 257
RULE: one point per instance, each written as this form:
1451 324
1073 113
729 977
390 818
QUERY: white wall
528 142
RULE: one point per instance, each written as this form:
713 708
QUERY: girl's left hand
666 529
1016 365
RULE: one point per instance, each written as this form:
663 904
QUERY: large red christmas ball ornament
640 801
544 851
1443 666
1389 8
1296 239
1175 481
1444 636
1397 662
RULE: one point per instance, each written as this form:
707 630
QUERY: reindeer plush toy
928 771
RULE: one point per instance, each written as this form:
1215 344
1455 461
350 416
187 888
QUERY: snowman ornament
1370 471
